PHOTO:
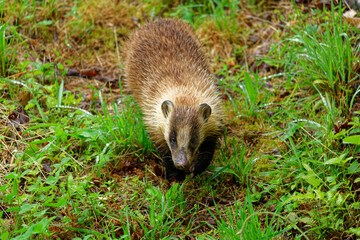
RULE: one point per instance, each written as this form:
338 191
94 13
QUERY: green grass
85 168
223 13
324 55
9 41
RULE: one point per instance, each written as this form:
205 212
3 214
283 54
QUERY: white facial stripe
183 136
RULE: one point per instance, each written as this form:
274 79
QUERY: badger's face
184 132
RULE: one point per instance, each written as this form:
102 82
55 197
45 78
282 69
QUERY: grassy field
76 161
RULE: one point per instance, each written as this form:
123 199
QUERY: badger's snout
181 161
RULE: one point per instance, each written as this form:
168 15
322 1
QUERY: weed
246 224
235 162
323 57
251 90
8 46
222 12
161 212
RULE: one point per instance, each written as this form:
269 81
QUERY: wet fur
164 61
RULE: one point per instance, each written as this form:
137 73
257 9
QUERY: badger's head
184 132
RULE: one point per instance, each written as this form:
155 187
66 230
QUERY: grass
8 43
241 221
84 167
327 53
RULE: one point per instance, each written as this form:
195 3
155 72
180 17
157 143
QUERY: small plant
162 222
8 45
354 133
235 161
222 12
126 126
251 90
322 56
242 222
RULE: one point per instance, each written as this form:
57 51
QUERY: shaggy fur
170 79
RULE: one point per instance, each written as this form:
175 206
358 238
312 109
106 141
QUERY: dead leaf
18 117
47 166
210 201
350 17
324 4
261 67
211 221
71 72
350 14
110 83
24 98
338 127
158 170
90 73
89 97
231 63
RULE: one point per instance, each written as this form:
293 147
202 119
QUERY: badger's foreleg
205 155
170 169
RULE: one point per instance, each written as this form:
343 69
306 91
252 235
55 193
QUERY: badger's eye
192 146
193 142
173 140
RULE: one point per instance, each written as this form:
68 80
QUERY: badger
170 78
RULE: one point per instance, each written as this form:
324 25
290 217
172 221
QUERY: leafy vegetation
77 162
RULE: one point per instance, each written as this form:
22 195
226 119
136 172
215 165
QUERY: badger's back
165 54
164 61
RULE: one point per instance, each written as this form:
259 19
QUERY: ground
77 162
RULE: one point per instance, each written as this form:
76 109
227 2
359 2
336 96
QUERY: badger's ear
205 111
166 107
